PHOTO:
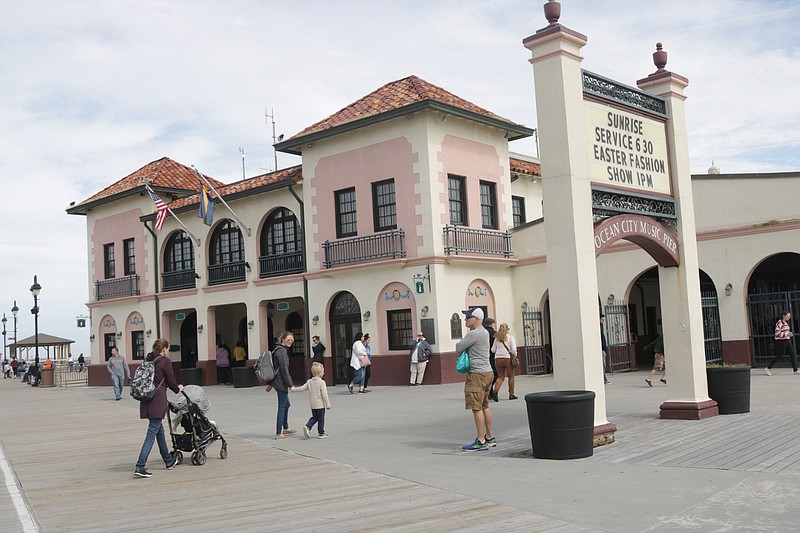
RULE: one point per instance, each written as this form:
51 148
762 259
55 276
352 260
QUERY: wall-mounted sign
180 316
626 149
282 306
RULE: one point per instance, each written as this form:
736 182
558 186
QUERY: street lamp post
14 311
35 289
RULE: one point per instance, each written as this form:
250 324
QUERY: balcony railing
280 264
463 240
180 279
226 273
360 249
116 287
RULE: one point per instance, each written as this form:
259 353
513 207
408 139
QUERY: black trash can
561 423
243 376
192 376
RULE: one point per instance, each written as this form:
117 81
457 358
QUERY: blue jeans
317 417
283 411
358 378
155 431
117 381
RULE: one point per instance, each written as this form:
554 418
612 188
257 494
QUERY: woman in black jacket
155 409
282 383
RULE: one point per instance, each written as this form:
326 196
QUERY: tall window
137 341
400 329
384 205
226 244
518 208
180 253
129 256
488 205
457 193
282 235
346 213
109 266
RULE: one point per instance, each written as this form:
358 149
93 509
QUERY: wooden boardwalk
48 438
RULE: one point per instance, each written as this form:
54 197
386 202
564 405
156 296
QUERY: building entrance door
345 319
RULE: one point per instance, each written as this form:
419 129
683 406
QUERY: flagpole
171 212
203 178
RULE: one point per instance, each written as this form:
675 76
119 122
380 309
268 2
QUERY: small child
318 397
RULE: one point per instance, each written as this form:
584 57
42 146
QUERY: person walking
659 362
318 349
479 379
282 383
223 365
503 347
783 343
357 360
318 399
155 409
81 362
603 345
368 368
489 323
420 353
118 368
14 367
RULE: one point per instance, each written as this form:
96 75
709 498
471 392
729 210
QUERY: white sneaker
797 372
767 371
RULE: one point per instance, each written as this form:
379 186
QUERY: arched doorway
345 320
772 289
189 341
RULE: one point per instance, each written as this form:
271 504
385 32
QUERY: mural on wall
479 294
135 320
108 325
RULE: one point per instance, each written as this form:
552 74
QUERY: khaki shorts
476 390
659 363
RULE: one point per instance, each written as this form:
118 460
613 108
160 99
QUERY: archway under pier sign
645 232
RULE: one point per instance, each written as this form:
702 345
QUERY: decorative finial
660 58
552 12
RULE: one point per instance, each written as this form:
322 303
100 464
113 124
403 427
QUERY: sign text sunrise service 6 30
626 150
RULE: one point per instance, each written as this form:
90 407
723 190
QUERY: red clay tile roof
391 97
291 173
529 168
162 173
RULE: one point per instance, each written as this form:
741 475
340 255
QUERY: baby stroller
198 432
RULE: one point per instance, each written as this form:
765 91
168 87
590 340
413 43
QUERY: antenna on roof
274 138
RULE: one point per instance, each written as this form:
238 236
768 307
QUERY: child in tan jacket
318 397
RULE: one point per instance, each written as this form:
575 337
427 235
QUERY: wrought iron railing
278 265
359 249
180 279
464 240
226 273
116 287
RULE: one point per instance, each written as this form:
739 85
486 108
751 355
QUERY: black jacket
282 381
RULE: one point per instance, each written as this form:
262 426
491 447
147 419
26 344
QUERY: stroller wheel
194 458
201 458
178 456
223 453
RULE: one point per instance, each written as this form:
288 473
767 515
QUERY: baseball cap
473 312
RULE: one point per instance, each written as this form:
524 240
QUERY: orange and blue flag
206 208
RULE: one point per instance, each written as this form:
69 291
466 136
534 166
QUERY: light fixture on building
247 266
148 332
524 306
200 328
119 334
610 300
315 320
728 289
251 324
367 314
91 338
424 311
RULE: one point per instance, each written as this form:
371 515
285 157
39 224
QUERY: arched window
226 254
281 244
178 262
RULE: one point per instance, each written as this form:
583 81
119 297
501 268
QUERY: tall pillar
571 269
681 309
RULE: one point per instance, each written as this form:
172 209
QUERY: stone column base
604 434
689 410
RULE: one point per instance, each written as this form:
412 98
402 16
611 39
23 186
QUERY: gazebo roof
44 340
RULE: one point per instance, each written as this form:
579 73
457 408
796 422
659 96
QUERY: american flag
161 207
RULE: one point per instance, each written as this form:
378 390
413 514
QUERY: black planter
729 386
561 423
243 377
192 376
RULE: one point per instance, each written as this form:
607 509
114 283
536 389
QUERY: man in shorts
479 379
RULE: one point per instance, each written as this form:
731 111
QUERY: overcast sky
91 90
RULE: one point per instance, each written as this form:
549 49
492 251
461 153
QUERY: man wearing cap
420 352
479 379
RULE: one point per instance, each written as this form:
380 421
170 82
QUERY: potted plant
729 386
